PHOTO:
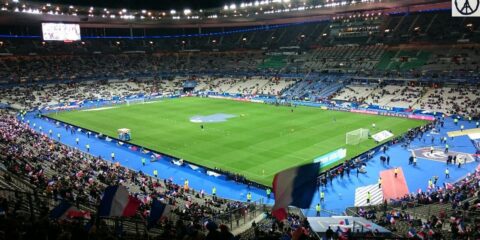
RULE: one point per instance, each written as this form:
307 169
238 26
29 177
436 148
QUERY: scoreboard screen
60 32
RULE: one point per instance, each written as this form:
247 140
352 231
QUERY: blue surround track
338 195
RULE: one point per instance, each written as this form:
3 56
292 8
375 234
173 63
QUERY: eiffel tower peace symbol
468 7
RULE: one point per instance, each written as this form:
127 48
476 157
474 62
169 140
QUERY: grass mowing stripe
260 141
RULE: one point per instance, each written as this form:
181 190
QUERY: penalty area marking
150 102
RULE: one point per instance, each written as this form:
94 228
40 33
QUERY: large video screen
60 32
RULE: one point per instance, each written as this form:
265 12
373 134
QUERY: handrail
250 213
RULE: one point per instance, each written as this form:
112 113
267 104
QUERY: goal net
357 136
134 101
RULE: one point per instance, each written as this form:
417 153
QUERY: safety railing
241 216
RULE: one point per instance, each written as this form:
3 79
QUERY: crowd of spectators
294 227
62 173
97 65
459 100
21 69
463 100
460 203
32 96
457 208
459 222
59 173
392 94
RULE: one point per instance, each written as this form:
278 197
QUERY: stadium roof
267 12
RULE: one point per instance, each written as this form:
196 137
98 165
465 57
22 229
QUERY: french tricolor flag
294 187
461 227
116 202
61 211
65 210
158 211
412 233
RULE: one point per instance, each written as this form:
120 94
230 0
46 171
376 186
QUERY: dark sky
146 4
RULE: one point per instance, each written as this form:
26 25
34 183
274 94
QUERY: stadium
272 119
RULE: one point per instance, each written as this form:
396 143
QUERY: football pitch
257 141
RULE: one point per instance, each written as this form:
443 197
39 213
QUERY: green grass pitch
261 141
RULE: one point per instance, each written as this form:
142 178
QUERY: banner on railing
212 173
331 157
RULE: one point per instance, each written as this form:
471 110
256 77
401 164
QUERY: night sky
146 4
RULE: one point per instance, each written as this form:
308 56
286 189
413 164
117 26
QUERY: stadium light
187 11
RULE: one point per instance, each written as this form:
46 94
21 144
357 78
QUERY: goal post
357 136
135 101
